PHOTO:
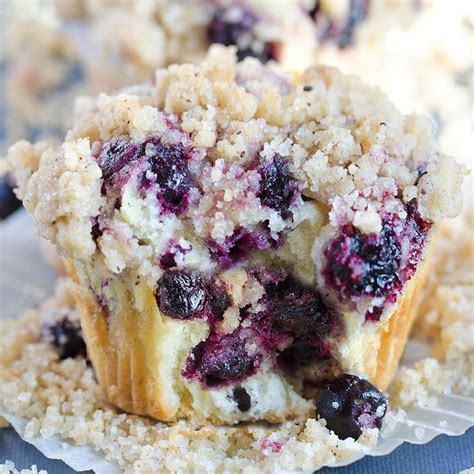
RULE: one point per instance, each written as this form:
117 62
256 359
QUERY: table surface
443 455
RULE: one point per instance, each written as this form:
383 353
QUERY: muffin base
137 380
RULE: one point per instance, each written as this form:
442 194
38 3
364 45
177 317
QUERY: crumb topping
339 142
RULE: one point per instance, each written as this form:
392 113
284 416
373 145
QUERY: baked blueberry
66 337
8 201
180 294
365 264
376 264
242 397
350 404
169 165
298 310
220 360
278 188
235 27
115 154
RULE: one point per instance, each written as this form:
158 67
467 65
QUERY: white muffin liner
26 280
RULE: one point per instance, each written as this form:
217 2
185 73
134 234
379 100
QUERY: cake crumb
420 432
446 320
9 468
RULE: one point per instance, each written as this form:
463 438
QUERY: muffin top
237 163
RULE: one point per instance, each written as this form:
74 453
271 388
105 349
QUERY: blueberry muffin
238 235
128 40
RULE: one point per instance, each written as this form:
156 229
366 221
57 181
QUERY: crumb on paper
420 432
9 468
446 319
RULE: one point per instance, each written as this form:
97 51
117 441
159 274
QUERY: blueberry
225 363
169 163
350 404
297 309
278 188
180 294
220 360
241 396
340 30
8 201
115 155
302 352
66 337
219 300
228 30
365 264
373 264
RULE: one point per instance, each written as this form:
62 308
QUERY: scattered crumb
420 432
470 470
9 468
446 319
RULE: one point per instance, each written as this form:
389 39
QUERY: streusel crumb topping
348 148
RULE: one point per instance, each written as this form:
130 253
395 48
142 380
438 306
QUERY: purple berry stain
167 168
235 27
376 264
239 245
350 404
66 337
221 360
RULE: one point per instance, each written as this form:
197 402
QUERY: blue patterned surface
444 455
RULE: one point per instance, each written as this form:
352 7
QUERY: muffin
240 236
128 40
